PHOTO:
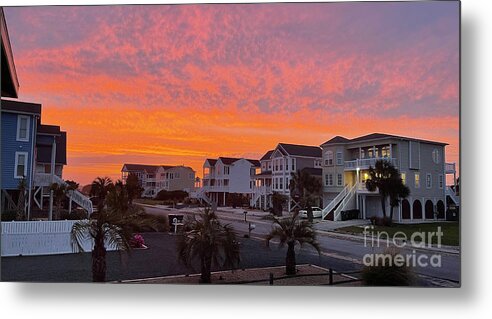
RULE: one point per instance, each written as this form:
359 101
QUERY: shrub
173 196
380 221
387 275
9 215
350 214
77 214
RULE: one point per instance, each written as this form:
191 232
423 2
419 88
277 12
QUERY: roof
301 150
254 162
10 82
313 171
44 145
267 155
211 161
228 160
21 107
231 160
48 129
377 136
336 140
140 167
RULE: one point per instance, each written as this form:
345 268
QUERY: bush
387 275
350 214
173 196
161 221
380 221
137 241
9 216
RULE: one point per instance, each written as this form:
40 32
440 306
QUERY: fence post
331 276
271 279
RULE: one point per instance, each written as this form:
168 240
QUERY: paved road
158 260
343 249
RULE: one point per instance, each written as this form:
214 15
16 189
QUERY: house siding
10 145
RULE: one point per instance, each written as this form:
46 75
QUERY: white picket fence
39 238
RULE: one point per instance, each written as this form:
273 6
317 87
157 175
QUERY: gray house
422 168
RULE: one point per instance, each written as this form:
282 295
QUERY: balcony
45 179
262 190
216 188
365 163
450 168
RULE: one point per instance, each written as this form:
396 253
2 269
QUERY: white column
50 216
391 150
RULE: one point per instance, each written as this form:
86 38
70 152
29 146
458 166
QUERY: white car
316 212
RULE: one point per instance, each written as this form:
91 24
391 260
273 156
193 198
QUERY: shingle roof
228 160
337 139
211 161
141 167
375 136
301 150
267 155
256 163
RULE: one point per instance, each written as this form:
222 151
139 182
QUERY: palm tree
381 178
292 231
208 240
59 192
113 225
307 188
397 191
278 201
133 187
21 201
100 188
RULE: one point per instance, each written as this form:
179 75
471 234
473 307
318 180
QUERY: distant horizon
176 84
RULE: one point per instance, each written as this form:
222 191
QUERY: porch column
411 208
391 150
50 216
374 151
224 198
364 206
70 203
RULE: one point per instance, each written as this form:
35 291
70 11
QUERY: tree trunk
310 214
383 205
99 259
206 276
290 260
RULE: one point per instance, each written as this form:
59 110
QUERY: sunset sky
175 84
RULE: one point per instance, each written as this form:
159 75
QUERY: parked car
316 212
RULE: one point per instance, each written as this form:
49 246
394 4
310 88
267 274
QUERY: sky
176 84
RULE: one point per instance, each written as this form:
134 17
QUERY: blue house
32 154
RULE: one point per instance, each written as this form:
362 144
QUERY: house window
441 181
226 182
435 156
385 151
287 164
177 175
428 181
276 165
327 180
22 128
20 165
286 183
417 180
226 170
293 164
339 158
330 179
339 180
281 164
281 183
403 178
329 158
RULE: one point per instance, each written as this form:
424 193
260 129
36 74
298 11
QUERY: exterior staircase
452 194
43 180
347 200
333 204
201 195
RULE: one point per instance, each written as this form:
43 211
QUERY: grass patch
451 231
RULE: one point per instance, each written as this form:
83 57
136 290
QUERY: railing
334 202
44 179
40 238
345 202
262 190
450 168
366 162
199 193
451 193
